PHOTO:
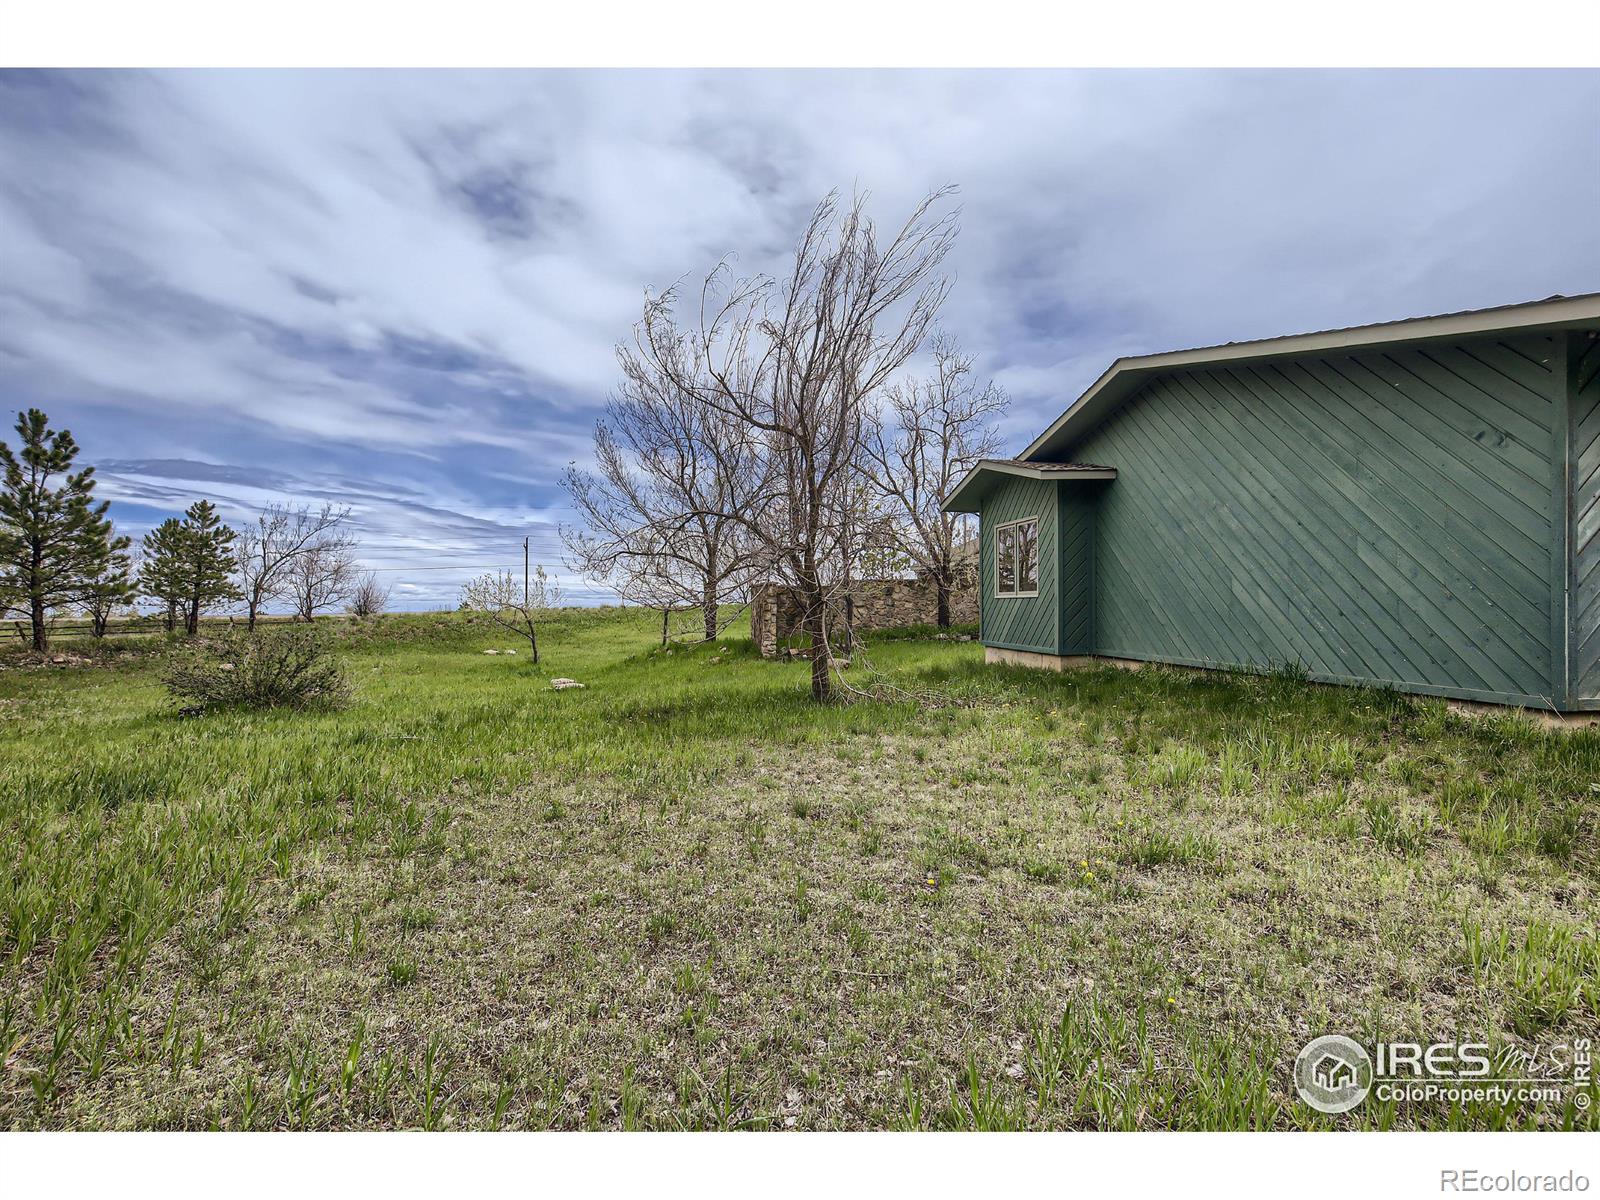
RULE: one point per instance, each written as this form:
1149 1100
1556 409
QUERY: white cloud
426 272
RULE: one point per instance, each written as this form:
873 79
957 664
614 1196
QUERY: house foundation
1543 717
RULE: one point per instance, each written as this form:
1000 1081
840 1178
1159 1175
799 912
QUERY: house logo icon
1333 1073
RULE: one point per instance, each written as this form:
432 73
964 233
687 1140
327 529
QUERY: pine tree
209 561
162 575
54 541
111 589
189 564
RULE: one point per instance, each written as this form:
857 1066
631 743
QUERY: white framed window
1016 558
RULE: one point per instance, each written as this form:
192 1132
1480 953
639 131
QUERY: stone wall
776 612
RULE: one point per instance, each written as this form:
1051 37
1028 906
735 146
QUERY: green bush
283 668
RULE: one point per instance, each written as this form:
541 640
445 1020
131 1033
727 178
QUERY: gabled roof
1125 375
987 472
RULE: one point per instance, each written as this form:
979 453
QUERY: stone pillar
764 620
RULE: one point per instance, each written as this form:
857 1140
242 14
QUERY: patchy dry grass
686 898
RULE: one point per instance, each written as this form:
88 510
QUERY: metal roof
1048 467
1125 375
982 476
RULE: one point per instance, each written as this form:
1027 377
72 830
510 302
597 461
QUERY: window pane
1005 559
1028 557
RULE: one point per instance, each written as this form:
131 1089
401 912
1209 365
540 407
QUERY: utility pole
524 572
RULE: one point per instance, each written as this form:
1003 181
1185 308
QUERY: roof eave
1126 373
970 491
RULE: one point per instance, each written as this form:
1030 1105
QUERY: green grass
686 897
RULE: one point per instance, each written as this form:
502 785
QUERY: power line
463 567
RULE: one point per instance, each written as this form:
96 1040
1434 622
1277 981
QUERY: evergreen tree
54 540
162 576
209 561
189 564
111 589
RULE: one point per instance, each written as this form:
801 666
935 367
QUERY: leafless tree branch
511 605
793 368
321 573
266 550
917 445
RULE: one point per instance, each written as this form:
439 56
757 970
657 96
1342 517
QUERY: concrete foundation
1066 662
1056 662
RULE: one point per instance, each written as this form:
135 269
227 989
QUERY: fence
144 625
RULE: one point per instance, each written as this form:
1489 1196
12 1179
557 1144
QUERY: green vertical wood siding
1020 622
1382 516
1583 610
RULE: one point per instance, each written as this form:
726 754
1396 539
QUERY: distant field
72 634
685 897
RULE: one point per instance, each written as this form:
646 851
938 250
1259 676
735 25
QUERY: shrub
291 668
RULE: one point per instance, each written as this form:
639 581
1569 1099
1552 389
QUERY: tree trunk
41 635
250 618
708 610
666 614
533 642
191 623
172 615
942 583
816 626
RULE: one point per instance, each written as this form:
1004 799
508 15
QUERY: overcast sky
401 291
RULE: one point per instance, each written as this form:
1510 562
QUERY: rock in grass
491 652
561 685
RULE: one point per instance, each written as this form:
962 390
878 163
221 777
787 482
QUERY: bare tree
671 471
650 580
918 445
321 573
658 582
368 597
793 367
266 549
514 604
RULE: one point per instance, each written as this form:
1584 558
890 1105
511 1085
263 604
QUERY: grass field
685 897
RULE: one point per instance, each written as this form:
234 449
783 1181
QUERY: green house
1415 504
